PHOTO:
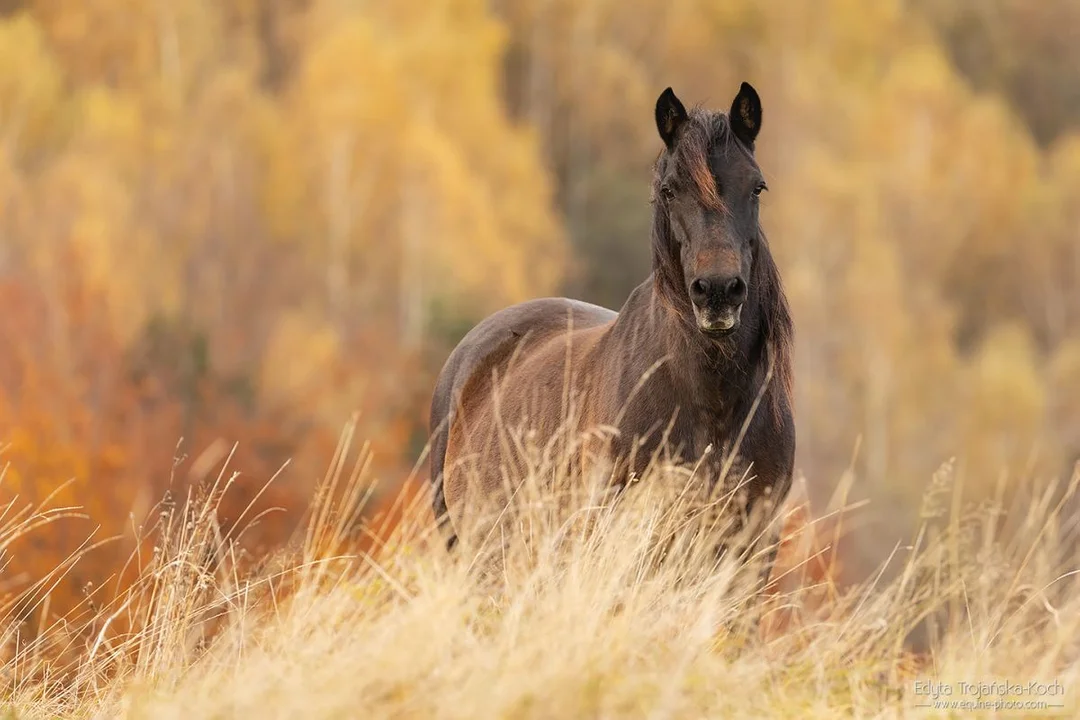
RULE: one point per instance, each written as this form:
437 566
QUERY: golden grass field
587 620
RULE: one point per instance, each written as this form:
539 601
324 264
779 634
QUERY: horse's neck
717 382
691 380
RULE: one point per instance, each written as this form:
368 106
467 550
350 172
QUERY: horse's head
706 192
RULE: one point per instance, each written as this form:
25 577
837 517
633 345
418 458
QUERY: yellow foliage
102 38
30 85
1065 163
1006 403
298 357
135 44
417 146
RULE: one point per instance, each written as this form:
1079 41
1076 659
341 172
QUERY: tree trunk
339 213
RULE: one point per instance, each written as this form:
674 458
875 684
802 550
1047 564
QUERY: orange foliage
75 406
807 572
406 505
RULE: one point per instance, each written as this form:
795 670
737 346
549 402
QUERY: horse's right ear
670 116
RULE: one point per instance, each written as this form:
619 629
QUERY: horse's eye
761 186
666 192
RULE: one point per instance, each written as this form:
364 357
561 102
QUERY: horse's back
490 345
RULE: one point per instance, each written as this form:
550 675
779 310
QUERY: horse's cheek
684 251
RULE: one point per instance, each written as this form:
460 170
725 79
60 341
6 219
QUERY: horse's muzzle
718 321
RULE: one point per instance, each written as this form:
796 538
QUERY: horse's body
658 371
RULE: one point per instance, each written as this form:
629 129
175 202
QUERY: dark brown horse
710 329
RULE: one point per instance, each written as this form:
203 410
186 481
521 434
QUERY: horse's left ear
670 117
745 115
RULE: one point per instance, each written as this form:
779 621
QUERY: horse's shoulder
774 433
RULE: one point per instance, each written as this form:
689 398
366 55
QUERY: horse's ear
745 115
670 116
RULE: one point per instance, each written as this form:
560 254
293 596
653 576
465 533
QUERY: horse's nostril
699 289
735 290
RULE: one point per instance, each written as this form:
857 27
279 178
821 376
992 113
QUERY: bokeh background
240 221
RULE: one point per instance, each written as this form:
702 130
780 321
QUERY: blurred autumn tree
245 220
1027 52
236 220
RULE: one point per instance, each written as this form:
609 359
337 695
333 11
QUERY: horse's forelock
702 135
704 132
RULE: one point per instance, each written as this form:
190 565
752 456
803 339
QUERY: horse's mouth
717 323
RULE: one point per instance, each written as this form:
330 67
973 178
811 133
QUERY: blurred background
239 221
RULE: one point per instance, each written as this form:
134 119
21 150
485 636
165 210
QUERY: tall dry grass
601 609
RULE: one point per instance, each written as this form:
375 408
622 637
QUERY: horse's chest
716 450
702 437
708 432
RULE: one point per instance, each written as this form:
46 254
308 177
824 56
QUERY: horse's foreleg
755 538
